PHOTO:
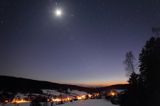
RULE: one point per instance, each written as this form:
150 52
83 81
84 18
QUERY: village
53 97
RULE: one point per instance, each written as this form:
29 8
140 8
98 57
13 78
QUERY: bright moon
58 12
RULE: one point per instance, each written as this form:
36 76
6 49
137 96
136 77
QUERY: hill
24 85
117 86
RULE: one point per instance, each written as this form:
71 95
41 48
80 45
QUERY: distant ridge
24 85
117 86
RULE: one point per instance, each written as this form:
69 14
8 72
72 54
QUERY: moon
58 12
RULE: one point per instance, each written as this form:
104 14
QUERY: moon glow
58 12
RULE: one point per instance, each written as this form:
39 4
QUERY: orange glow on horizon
107 83
94 83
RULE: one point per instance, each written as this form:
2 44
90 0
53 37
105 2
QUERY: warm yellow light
81 97
68 98
19 101
6 101
56 100
112 93
89 95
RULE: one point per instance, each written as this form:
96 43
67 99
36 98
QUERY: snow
52 92
89 102
21 95
12 104
120 90
78 92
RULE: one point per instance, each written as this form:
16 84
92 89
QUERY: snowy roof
52 92
21 95
120 90
78 92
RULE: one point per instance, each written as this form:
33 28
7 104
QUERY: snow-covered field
89 102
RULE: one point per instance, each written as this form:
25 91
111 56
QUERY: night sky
85 44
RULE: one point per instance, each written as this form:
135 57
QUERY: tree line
144 85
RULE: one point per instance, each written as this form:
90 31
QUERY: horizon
77 84
74 41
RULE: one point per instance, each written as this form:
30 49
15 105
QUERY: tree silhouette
129 62
144 88
149 70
